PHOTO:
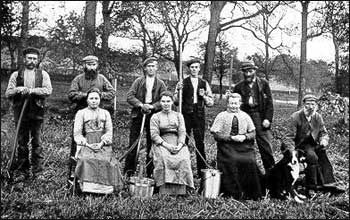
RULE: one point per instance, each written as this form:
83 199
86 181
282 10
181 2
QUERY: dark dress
236 160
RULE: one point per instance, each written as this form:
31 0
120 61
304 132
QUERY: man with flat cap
33 84
144 97
257 102
307 132
82 83
196 95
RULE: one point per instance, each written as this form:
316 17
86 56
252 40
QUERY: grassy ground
49 198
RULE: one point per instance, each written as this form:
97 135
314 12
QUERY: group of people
246 120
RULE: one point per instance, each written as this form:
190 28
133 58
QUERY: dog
281 178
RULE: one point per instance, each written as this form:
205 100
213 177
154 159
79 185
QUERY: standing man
32 84
144 97
257 102
196 94
81 84
306 131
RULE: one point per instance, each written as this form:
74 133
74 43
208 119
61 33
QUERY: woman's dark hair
167 93
94 89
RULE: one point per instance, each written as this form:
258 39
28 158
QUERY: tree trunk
338 79
214 29
24 32
267 54
304 14
105 36
12 54
90 24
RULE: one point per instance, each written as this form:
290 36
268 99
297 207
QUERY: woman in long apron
171 158
97 168
234 132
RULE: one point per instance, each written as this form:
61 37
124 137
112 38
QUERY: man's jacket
299 129
265 101
137 93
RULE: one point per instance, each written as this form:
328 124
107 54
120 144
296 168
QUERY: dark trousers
319 170
263 140
196 123
130 160
29 128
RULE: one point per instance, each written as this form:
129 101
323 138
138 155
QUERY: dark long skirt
241 175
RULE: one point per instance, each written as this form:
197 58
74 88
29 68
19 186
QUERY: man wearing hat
306 131
257 102
196 94
144 97
82 83
33 84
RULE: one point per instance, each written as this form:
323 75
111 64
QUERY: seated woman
97 169
171 158
234 132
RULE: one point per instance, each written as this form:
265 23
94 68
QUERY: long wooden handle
181 76
115 99
140 137
10 164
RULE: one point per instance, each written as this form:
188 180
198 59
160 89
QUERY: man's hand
179 86
201 92
146 108
238 138
324 143
81 95
266 123
23 90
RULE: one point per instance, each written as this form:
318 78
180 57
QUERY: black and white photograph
175 109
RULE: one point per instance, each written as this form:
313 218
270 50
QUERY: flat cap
249 64
31 50
192 61
149 60
90 58
309 97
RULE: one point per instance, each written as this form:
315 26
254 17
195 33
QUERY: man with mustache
306 131
257 102
31 83
82 83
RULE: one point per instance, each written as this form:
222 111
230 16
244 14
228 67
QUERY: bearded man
87 80
257 102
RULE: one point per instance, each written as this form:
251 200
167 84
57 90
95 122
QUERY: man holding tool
143 96
196 95
29 85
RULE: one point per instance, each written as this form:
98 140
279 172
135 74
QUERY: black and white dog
280 179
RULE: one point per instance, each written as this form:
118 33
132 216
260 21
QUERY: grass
50 198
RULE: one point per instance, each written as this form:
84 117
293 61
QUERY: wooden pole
181 76
230 80
115 97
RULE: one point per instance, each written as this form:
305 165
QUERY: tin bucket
141 187
211 180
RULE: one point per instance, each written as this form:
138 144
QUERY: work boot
22 176
333 189
311 177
